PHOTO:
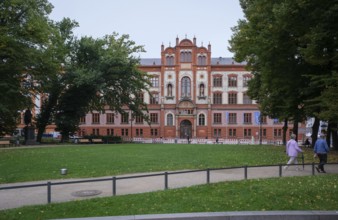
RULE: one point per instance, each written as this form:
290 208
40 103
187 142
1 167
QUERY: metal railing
166 175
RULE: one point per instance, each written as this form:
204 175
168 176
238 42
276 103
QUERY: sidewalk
13 198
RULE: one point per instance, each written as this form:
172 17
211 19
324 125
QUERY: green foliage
291 47
56 62
24 33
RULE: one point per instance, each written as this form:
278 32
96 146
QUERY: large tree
24 33
271 53
57 57
103 74
287 44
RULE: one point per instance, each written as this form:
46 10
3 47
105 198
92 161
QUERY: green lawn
319 192
30 164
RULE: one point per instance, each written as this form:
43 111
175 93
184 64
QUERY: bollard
166 180
63 171
114 185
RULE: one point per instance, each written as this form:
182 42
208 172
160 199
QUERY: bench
97 140
5 143
83 141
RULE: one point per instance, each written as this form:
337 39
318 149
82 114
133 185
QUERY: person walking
321 149
292 150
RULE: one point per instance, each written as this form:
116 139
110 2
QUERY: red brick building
193 95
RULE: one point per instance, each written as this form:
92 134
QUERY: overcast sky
153 22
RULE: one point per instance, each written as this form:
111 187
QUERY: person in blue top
321 149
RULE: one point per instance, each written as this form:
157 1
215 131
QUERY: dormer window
202 60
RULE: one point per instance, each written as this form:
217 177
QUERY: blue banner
257 117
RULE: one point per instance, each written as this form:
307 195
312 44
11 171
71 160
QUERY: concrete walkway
13 198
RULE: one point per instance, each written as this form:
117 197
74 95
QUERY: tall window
83 120
170 90
124 132
232 98
125 118
141 96
246 79
217 118
247 118
170 60
185 56
154 118
153 132
154 80
247 132
201 119
246 99
217 99
138 119
96 131
232 81
202 60
110 118
154 98
186 87
264 119
232 132
217 132
139 132
277 132
170 120
217 81
96 118
232 118
201 92
110 131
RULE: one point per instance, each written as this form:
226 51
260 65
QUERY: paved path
13 198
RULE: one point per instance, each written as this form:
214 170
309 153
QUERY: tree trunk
315 129
295 128
285 129
43 120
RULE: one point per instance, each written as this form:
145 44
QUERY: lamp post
260 128
131 128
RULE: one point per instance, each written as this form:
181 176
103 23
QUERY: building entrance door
185 129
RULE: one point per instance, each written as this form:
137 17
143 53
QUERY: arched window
185 87
202 60
202 90
170 61
170 120
170 90
185 56
201 119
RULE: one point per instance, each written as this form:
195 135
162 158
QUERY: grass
287 193
318 192
31 164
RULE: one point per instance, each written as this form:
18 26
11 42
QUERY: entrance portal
185 129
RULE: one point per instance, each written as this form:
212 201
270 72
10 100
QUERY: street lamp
260 128
131 127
